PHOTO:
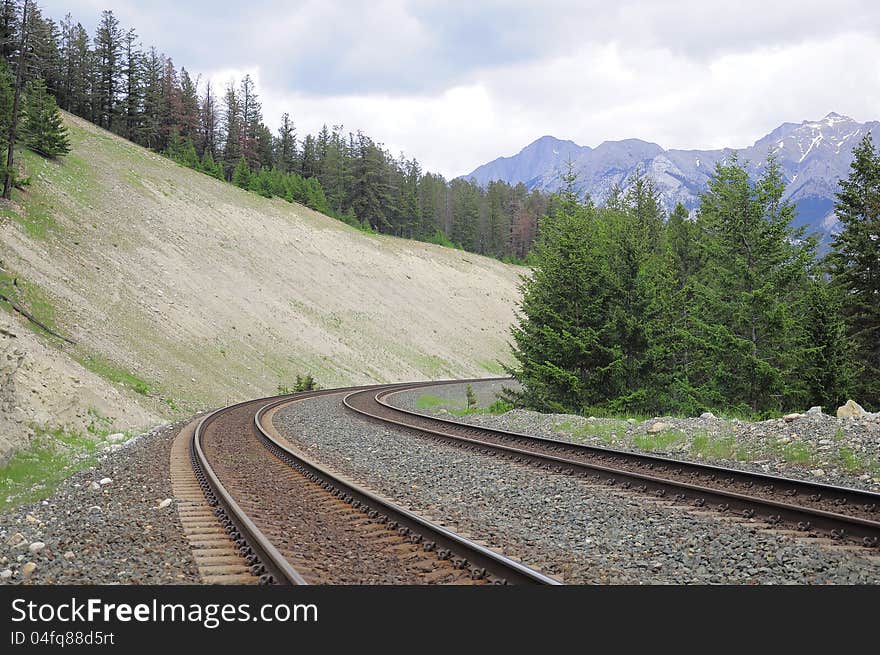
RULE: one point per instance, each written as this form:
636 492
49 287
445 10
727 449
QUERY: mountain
183 292
813 156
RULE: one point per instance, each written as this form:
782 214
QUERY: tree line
139 93
732 311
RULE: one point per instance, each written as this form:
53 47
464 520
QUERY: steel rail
481 561
840 526
265 560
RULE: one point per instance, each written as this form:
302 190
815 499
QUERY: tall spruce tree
42 128
749 328
854 263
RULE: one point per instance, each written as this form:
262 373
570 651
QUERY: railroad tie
215 554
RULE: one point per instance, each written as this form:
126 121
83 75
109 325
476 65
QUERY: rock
165 503
27 569
94 486
659 426
69 555
815 410
818 473
788 418
850 409
30 518
631 421
36 547
16 540
104 481
707 415
6 574
117 437
94 509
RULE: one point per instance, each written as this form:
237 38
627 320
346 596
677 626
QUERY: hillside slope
201 294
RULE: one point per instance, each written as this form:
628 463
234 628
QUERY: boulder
707 415
659 426
815 410
27 569
788 418
850 410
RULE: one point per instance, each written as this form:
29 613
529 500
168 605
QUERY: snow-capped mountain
813 156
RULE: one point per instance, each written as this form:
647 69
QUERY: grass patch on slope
110 371
33 474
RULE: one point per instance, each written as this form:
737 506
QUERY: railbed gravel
115 534
568 527
813 447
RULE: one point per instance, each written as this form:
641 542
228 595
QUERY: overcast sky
456 84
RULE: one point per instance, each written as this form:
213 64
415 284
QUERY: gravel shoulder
807 446
568 527
104 524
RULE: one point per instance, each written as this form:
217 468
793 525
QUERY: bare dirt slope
210 294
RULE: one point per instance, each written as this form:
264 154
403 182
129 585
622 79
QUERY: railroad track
848 516
296 522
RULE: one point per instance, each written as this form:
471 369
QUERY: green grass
797 453
33 474
113 373
430 401
660 441
704 445
492 367
29 296
852 462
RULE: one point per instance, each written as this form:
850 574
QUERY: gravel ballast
810 445
103 525
568 527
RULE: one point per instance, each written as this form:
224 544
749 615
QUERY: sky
458 83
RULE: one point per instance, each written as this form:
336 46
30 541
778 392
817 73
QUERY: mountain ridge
813 156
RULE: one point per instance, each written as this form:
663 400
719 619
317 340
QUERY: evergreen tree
749 326
241 176
563 360
854 263
108 51
286 145
43 130
829 370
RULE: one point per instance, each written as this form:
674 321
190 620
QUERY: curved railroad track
296 522
849 516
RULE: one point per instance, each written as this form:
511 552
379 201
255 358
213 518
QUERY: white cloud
457 85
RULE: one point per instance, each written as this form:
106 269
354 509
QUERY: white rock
5 575
36 547
707 415
104 481
818 472
815 410
27 569
94 486
850 409
658 427
165 503
69 555
116 437
94 509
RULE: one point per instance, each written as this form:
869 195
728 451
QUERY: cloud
457 84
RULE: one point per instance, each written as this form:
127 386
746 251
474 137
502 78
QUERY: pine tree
749 333
854 263
241 176
829 368
108 51
286 145
564 361
42 129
